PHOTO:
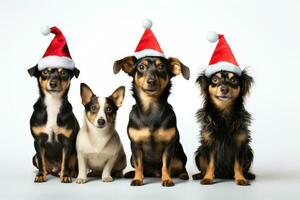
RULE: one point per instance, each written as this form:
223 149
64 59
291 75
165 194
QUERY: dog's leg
41 175
210 171
64 174
81 178
138 165
165 171
106 174
239 175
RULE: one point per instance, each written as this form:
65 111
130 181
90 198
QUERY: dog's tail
249 176
129 174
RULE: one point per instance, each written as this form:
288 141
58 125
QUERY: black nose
224 89
101 122
53 84
151 81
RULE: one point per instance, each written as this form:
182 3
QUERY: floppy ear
76 72
33 71
118 96
178 68
86 93
203 81
246 83
126 64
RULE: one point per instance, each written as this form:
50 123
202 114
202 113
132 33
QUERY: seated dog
224 151
53 125
99 148
152 130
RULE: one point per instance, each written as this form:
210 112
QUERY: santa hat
57 54
148 45
222 58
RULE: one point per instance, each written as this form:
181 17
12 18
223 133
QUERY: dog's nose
151 81
224 89
53 84
101 122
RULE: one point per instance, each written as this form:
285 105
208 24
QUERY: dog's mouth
54 90
224 98
152 90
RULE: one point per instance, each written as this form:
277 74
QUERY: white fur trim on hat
222 66
148 52
56 62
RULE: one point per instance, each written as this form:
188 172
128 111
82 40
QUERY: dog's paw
206 181
66 179
80 180
183 176
242 182
167 183
198 176
107 179
136 182
40 179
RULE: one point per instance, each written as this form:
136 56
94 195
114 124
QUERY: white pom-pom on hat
212 36
45 30
147 23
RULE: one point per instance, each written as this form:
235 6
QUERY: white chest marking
53 104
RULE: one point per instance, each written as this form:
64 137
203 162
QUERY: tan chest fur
145 135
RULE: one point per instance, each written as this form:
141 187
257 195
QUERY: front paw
242 182
167 183
206 181
107 179
40 179
80 180
66 179
136 182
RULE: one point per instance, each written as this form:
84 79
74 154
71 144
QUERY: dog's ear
76 72
86 93
178 68
33 71
203 81
126 64
118 96
246 83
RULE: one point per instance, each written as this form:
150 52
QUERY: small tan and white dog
99 148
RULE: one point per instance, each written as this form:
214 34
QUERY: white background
264 35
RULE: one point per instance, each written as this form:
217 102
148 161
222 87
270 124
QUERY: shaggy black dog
224 151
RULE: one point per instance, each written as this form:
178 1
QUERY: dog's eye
141 67
63 72
161 67
215 80
108 110
94 108
46 72
234 80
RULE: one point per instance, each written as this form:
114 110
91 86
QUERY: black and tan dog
152 130
224 151
53 125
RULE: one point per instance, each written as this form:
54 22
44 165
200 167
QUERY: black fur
160 116
66 119
224 127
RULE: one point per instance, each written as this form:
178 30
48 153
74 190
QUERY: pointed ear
76 72
246 83
33 71
203 81
86 93
178 68
118 96
126 64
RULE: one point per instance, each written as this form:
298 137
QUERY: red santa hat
148 45
222 58
57 54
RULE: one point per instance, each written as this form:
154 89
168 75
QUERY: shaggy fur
224 150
